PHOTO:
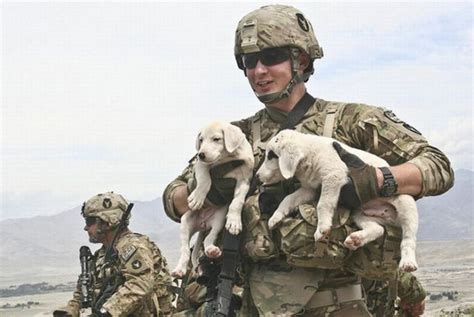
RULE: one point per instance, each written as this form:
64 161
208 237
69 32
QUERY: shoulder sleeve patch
128 252
389 114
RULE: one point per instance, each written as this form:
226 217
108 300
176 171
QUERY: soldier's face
95 231
269 79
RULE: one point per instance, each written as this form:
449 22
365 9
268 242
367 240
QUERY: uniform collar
276 115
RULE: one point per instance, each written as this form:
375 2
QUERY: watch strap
389 186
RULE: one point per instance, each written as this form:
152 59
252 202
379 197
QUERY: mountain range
48 245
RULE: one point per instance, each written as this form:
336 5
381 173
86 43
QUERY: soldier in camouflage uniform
138 268
285 272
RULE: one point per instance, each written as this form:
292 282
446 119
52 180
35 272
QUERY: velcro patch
128 252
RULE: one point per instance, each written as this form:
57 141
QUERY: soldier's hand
413 309
362 185
222 187
61 313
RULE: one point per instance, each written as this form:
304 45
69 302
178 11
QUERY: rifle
223 302
112 283
85 279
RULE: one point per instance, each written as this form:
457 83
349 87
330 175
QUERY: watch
389 186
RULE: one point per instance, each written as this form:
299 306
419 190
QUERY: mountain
449 216
49 246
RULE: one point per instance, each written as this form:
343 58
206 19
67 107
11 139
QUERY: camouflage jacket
368 128
372 129
141 273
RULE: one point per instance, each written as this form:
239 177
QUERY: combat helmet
107 206
277 26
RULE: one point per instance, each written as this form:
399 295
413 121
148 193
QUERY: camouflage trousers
277 289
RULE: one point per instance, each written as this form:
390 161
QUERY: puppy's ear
233 137
198 141
288 161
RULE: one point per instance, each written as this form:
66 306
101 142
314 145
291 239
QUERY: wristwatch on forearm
389 186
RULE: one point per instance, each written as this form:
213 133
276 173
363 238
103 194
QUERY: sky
104 96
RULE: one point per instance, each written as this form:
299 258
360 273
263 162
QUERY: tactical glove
64 312
222 188
362 185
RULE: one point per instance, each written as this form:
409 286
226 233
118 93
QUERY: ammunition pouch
378 260
294 238
258 244
297 239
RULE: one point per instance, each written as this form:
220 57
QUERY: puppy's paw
196 200
275 220
179 272
408 265
321 232
354 241
213 252
233 224
319 236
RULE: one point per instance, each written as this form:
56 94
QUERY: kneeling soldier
127 276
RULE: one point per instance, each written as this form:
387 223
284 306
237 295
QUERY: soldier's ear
233 137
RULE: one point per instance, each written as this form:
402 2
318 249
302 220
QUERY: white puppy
314 162
216 144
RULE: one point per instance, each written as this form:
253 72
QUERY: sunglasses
90 221
268 57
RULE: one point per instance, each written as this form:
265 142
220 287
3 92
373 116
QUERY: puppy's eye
200 140
216 139
271 155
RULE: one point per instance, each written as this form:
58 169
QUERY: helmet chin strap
279 95
286 92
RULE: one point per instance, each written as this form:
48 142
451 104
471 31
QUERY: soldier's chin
93 239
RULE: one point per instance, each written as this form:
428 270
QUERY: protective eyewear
91 221
268 57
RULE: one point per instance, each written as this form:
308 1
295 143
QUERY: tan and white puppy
314 162
218 143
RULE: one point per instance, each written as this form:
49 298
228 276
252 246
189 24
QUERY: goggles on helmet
268 57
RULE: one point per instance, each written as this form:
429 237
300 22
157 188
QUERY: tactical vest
294 238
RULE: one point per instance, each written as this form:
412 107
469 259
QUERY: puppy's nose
201 155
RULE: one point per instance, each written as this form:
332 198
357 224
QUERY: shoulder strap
298 112
332 109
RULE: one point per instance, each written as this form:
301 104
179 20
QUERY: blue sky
105 96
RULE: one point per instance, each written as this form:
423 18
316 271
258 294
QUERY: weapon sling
104 292
222 306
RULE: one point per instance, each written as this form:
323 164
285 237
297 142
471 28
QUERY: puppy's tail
196 248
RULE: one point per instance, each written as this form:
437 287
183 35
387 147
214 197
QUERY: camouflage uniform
409 288
273 283
285 271
138 269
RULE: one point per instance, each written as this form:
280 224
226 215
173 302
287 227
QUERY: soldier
135 281
284 271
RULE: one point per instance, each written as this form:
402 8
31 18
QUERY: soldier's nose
202 156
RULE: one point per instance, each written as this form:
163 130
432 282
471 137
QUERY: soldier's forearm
408 178
180 199
436 172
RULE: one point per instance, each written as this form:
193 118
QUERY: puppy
314 162
216 144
